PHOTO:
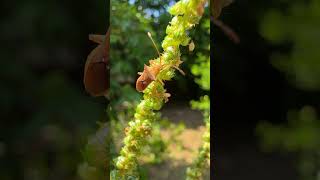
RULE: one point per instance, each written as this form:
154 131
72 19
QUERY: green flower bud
120 162
169 41
178 9
185 41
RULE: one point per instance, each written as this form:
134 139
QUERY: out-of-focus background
45 113
266 91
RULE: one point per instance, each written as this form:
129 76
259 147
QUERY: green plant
186 15
300 136
201 69
201 162
299 25
129 27
97 155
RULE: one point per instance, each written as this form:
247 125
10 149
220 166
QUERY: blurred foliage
40 130
129 27
45 113
97 155
201 70
301 136
299 26
202 104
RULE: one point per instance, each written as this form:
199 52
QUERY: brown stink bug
96 71
150 72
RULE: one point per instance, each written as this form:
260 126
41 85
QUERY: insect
150 73
217 5
96 70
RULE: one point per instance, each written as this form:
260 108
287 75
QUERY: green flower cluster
187 14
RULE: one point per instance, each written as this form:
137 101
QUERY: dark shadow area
46 115
248 89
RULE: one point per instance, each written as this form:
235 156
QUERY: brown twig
227 30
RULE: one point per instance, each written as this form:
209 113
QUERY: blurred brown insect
217 5
216 8
150 72
227 30
96 70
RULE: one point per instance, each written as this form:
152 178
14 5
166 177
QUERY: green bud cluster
187 14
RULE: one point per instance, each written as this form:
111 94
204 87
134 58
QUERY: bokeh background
266 91
46 115
177 133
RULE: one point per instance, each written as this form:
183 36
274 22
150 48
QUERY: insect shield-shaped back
96 71
146 77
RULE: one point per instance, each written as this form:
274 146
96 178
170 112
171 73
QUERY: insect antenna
154 44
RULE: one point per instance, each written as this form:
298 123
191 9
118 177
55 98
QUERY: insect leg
177 68
96 38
